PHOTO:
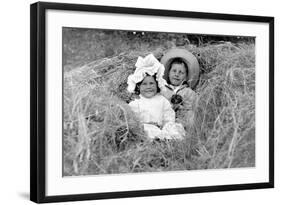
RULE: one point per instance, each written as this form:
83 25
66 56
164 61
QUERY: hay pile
102 135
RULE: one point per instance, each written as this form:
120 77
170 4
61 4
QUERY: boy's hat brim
188 58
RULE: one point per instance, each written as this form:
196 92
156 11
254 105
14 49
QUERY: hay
102 135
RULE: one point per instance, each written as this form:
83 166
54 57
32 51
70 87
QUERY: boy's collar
183 84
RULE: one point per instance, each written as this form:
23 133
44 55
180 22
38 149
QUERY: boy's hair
137 88
177 61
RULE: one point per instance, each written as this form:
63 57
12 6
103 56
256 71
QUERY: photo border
38 101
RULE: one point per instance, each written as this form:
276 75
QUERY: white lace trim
147 65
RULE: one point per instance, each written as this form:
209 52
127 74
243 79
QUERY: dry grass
102 135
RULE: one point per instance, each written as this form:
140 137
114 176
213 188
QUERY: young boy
181 74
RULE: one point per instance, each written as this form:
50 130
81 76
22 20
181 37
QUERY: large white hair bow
146 66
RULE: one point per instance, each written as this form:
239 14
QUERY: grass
103 136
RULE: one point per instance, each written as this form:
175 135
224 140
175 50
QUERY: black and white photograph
133 102
142 101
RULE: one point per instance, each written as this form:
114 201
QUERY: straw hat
188 58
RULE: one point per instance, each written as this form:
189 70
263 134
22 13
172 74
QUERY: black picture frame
38 101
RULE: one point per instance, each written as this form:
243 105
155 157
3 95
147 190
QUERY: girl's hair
177 61
137 88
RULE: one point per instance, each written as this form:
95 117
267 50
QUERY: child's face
148 87
177 74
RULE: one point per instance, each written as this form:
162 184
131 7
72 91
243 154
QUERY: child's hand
187 105
176 107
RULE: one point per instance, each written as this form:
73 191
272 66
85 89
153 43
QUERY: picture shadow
24 195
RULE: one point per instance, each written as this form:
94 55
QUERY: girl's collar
142 97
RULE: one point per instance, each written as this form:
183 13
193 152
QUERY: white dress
158 117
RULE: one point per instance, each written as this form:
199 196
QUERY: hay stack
96 114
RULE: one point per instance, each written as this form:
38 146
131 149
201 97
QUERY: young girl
154 110
182 70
